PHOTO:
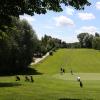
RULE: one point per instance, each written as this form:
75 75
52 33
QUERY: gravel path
37 60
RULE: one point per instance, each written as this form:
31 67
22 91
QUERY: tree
85 40
97 34
27 43
88 41
19 7
63 44
48 43
96 43
75 45
17 46
81 39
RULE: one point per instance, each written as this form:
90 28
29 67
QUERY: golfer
78 78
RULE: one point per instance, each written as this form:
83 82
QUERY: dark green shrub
50 53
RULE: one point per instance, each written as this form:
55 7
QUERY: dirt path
37 60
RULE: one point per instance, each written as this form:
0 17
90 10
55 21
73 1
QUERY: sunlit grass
52 85
79 60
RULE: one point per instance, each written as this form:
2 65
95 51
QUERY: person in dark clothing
31 79
27 78
71 72
17 78
81 84
63 70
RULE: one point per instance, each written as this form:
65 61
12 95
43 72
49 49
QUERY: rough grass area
51 84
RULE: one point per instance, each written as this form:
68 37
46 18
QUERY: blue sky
68 24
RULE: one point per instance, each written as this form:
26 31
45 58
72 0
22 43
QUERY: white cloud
86 16
30 19
88 29
98 5
63 21
69 11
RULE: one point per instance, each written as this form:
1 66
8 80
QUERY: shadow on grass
69 99
72 99
9 84
28 71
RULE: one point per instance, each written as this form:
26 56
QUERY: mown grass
52 85
79 60
46 87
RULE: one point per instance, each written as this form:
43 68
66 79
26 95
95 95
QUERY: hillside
79 60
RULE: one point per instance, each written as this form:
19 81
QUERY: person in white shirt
78 78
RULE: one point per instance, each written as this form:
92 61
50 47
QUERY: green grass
84 76
79 60
52 85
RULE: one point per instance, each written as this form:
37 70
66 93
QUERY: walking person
81 84
31 79
17 78
27 79
71 72
78 78
63 70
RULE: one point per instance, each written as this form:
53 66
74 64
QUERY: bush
50 53
54 49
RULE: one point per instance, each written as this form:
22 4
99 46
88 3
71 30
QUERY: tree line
19 45
87 40
18 41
